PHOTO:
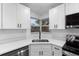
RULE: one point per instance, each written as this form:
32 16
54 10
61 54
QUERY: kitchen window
36 23
45 25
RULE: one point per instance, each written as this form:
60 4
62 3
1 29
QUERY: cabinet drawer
57 50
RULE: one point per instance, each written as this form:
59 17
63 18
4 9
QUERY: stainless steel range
71 47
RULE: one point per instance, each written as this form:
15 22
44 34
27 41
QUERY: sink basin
42 40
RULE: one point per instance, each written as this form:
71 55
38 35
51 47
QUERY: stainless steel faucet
40 30
39 35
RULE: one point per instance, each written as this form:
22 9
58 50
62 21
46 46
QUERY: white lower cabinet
40 50
44 50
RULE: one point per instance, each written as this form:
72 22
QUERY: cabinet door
0 16
57 50
57 17
52 21
35 50
23 16
72 8
40 50
9 16
47 50
61 17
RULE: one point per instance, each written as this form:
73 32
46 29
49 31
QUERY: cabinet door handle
57 48
40 53
18 25
53 53
55 25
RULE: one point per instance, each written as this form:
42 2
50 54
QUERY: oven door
67 53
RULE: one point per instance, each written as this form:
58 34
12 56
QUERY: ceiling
41 9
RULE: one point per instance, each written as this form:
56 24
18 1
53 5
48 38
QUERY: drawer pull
57 48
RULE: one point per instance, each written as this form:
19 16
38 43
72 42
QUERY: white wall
32 14
40 17
57 34
45 16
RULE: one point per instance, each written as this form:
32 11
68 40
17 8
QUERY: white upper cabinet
9 16
0 15
72 8
15 16
23 16
57 17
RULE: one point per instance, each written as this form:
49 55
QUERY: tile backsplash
58 34
10 35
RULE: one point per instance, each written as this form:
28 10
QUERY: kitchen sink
42 40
